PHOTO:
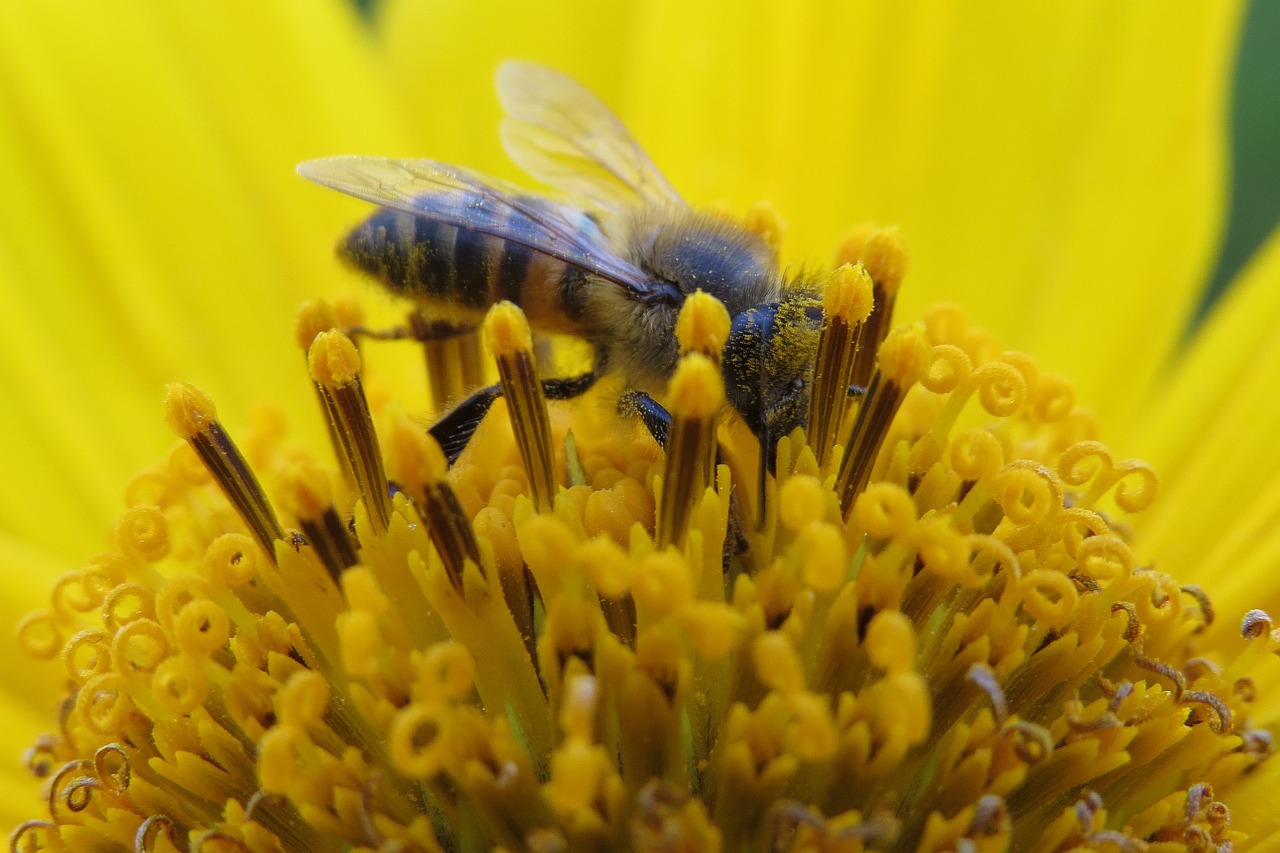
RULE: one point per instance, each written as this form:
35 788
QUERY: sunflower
988 633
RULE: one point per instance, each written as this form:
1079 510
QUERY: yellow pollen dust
188 410
506 331
333 359
702 325
847 294
697 391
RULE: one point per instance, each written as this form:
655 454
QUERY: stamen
305 490
420 469
452 355
313 318
191 414
703 327
697 393
904 358
882 253
506 332
335 367
846 304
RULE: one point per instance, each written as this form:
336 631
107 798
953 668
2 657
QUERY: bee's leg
655 418
568 387
454 430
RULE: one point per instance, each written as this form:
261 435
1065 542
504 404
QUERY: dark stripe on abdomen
471 266
433 255
572 282
512 272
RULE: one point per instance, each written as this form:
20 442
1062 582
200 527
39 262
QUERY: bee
611 263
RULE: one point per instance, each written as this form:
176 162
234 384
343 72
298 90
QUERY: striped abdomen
456 267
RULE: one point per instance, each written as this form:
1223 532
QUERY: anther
702 326
305 490
883 255
904 358
846 304
313 318
696 395
335 368
506 332
420 469
191 414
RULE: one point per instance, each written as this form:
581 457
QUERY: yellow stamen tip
848 294
415 456
305 490
188 410
703 325
777 663
313 317
881 251
333 359
891 641
697 390
506 331
905 355
762 219
348 311
802 501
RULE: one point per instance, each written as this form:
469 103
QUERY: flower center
923 629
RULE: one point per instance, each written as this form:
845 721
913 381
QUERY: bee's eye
797 385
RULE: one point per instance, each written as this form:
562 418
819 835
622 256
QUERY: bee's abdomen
453 267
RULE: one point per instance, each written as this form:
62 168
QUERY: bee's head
768 364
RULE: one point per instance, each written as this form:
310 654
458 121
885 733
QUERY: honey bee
611 264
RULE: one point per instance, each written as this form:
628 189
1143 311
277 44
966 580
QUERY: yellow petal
1211 434
154 228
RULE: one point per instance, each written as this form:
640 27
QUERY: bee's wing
459 198
563 135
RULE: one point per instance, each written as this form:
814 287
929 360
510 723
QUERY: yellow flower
951 657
